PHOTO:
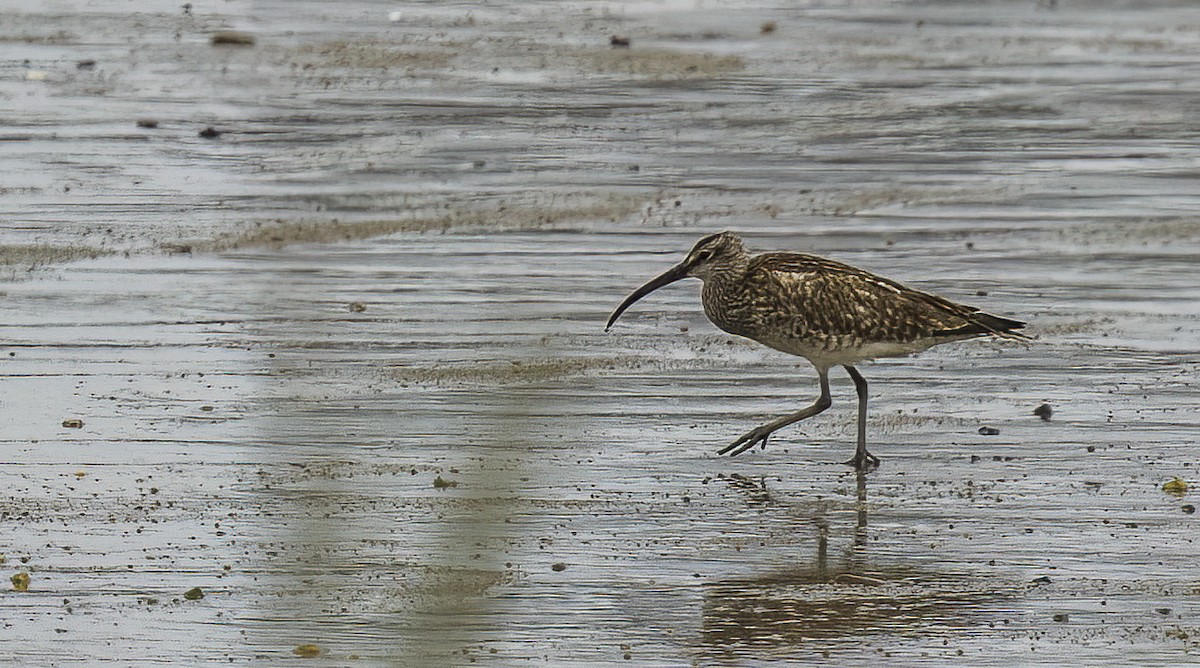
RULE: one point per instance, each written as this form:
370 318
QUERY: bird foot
863 461
754 437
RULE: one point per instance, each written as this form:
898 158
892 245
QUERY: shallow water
344 368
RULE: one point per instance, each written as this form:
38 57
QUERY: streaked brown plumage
824 311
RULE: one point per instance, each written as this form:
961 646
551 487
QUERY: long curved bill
671 275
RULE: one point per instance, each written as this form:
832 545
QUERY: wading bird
827 312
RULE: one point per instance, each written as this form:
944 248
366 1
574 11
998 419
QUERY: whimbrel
827 312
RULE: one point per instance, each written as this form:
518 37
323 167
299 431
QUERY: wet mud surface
340 363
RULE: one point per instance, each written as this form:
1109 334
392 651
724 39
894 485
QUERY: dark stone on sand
988 431
1044 411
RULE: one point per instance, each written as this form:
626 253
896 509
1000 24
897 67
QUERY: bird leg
760 433
862 460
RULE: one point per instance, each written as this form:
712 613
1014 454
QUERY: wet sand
343 367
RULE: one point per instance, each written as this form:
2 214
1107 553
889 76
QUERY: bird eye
704 256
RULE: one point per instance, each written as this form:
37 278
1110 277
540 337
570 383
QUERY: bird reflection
831 598
860 526
758 495
753 489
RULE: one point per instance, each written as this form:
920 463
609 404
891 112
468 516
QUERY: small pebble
210 133
73 423
1044 411
619 42
989 431
560 566
194 594
1188 508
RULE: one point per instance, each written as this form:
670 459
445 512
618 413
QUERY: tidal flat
302 355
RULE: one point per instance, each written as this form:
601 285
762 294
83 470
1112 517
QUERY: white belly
849 354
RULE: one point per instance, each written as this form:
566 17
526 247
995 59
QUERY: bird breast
731 309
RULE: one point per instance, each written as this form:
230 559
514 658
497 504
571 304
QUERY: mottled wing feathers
817 297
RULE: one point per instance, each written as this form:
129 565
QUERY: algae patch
660 64
498 216
516 371
35 255
20 581
307 650
374 54
1176 487
57 37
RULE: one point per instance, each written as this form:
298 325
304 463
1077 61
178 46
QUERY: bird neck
729 272
724 297
726 279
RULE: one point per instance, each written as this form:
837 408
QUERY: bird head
711 254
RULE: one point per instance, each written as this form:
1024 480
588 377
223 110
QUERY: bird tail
985 324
